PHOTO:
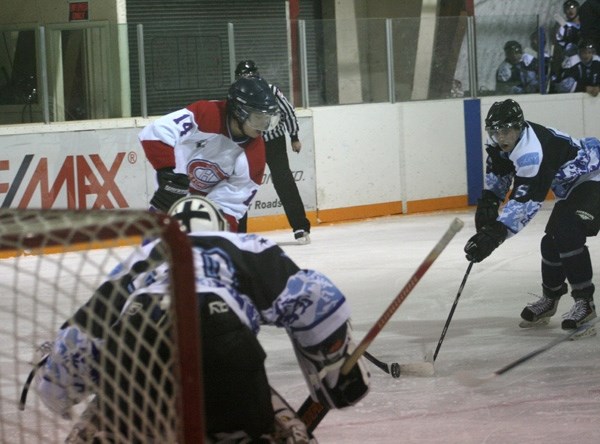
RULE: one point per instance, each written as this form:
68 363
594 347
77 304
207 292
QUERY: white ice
552 398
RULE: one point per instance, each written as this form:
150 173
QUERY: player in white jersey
532 160
277 158
213 148
243 281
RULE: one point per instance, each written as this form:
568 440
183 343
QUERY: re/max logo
75 176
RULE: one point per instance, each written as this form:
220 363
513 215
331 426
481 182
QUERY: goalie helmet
196 213
250 100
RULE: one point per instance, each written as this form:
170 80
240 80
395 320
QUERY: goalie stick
312 412
469 380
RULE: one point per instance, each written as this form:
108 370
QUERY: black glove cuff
497 231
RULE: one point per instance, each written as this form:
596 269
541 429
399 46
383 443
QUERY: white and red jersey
197 141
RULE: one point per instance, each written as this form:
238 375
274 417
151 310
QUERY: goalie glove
171 187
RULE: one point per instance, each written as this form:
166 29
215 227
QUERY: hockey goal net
51 263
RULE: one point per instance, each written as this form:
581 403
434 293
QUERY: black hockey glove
497 163
487 209
171 187
485 241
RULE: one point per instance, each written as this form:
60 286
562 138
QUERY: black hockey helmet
586 44
514 46
570 4
251 100
506 114
246 68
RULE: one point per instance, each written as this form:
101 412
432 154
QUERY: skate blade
591 331
532 324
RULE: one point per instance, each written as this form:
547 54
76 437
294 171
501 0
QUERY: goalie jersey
256 279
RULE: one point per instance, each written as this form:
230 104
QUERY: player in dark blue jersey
532 160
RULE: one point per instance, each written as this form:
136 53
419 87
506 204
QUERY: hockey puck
395 370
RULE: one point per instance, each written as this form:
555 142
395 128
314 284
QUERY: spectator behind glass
583 73
517 74
589 15
569 33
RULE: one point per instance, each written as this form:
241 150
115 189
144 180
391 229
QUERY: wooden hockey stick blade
396 370
469 380
313 412
417 369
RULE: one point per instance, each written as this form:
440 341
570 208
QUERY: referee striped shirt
288 121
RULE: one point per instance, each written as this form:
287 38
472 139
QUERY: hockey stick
460 289
313 412
396 369
469 380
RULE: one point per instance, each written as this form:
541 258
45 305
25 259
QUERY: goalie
242 282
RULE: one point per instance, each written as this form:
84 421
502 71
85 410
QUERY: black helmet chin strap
240 126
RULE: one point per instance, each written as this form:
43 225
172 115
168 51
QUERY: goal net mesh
52 262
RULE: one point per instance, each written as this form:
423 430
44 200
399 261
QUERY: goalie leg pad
69 374
321 365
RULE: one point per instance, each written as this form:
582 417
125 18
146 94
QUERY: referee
277 158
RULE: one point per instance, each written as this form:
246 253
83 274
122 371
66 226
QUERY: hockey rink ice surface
553 398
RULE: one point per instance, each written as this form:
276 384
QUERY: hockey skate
302 237
581 312
538 313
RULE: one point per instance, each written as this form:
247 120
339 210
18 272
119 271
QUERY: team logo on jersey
217 307
204 174
528 160
584 215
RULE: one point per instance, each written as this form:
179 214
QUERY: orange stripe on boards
279 221
360 212
123 242
441 203
276 222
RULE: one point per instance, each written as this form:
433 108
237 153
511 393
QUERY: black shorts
583 205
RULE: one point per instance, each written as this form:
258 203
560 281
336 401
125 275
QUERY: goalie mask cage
51 263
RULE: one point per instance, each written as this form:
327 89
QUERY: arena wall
358 161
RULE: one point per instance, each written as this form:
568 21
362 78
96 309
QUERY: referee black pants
285 185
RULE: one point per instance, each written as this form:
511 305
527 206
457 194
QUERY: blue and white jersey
544 159
256 279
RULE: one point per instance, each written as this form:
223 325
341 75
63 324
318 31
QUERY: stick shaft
454 228
312 412
462 285
545 348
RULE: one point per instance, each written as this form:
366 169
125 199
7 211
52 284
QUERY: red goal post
51 262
